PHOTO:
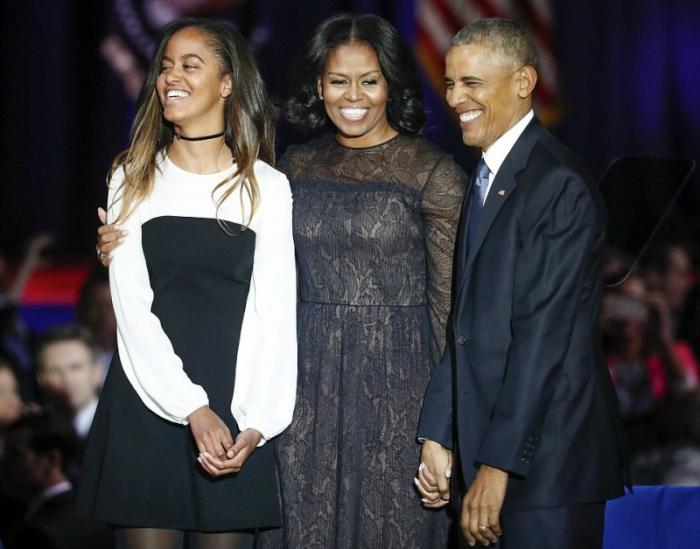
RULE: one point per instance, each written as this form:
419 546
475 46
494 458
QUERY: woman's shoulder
270 180
310 147
423 150
299 156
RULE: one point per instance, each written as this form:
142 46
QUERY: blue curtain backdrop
629 79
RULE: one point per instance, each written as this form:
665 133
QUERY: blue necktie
481 184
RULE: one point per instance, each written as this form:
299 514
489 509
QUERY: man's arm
436 414
549 281
435 432
557 246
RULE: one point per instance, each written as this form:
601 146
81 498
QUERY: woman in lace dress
375 217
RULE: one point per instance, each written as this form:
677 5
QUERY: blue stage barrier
654 517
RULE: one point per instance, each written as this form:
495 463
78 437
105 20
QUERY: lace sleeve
441 206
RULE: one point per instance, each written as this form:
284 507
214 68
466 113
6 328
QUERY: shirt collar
83 419
497 152
56 490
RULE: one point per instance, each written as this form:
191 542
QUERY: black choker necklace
203 138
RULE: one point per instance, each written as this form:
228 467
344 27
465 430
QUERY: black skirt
140 470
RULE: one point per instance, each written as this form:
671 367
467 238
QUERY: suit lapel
461 251
501 189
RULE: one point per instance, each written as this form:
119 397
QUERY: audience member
670 270
40 448
10 400
651 369
95 313
68 365
15 336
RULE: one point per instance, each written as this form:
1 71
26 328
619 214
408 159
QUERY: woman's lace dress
374 230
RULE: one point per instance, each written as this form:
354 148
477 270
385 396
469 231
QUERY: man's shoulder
550 156
553 174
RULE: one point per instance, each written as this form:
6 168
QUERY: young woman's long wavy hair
248 121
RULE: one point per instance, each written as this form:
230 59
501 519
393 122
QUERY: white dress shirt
497 152
83 419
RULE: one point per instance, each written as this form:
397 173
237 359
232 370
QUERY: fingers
479 522
219 441
102 215
208 467
427 487
484 524
216 467
109 237
443 484
429 497
108 240
233 459
224 446
464 520
475 527
243 447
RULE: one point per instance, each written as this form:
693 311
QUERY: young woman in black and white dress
204 292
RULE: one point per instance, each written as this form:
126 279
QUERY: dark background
629 83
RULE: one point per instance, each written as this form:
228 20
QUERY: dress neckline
378 146
168 162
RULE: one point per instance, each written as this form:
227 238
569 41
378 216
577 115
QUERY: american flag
438 20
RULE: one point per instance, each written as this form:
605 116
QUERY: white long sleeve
266 367
146 354
265 387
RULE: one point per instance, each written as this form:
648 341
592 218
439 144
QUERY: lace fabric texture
374 230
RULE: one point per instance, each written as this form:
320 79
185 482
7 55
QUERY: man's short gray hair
504 36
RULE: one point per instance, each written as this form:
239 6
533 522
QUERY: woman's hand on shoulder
245 445
109 237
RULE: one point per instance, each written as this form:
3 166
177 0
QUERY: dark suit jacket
523 385
56 526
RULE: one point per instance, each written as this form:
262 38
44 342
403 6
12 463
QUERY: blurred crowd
49 388
50 385
650 322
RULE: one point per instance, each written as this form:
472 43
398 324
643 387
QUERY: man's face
23 471
68 368
486 91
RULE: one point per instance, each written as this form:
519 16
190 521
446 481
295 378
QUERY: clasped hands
219 454
481 506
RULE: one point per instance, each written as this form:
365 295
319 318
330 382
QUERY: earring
320 96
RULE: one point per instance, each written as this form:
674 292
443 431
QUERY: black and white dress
205 315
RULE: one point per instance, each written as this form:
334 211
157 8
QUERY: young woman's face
355 95
190 87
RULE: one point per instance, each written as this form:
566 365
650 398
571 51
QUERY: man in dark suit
522 398
39 450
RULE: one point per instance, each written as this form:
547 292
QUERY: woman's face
190 86
10 401
355 94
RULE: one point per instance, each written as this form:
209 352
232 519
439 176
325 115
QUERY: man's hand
245 445
481 507
433 479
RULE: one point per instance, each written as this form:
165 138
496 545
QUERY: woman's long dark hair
248 119
405 111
